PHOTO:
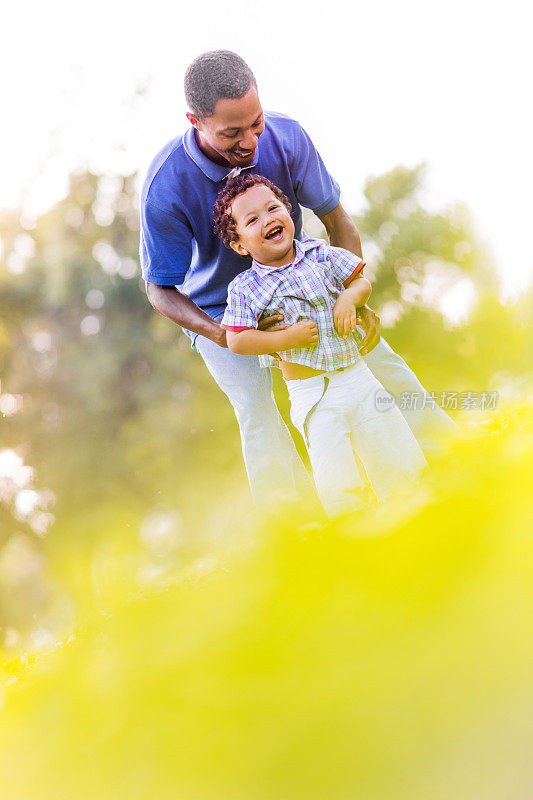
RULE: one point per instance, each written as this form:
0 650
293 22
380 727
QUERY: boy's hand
345 315
302 334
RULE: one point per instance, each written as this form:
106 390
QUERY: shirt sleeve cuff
163 280
328 205
236 328
354 274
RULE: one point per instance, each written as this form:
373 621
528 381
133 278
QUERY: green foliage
493 351
114 410
107 363
384 655
416 255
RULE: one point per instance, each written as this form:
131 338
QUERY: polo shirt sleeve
239 315
166 246
343 265
313 185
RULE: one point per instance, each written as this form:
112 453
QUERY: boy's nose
267 218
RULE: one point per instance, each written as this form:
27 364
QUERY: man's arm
343 233
179 308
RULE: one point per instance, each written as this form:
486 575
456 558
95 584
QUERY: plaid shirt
307 288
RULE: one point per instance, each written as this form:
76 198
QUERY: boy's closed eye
253 219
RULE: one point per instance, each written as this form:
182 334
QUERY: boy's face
264 227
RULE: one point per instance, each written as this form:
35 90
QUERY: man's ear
237 246
194 120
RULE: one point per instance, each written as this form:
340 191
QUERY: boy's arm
246 335
253 342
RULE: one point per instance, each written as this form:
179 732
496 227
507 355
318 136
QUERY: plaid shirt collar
301 249
214 172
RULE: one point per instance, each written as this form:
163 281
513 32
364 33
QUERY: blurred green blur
387 655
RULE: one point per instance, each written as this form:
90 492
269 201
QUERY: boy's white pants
340 412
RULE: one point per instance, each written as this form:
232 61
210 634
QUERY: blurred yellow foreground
383 657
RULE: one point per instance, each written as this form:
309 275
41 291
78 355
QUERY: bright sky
376 84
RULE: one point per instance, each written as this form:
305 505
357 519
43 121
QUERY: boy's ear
237 246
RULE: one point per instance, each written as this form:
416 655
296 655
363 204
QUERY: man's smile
244 154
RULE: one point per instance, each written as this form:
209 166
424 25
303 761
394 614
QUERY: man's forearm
346 235
179 308
341 231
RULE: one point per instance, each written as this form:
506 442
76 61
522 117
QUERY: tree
415 256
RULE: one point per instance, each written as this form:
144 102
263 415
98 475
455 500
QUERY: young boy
334 396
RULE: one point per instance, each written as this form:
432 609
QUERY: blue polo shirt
178 245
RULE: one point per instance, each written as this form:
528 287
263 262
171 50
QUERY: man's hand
271 323
301 334
371 324
345 314
221 338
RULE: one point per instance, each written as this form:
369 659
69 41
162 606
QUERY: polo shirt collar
301 248
214 172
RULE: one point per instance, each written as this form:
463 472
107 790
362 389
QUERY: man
187 269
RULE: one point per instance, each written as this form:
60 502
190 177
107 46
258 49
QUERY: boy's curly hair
223 223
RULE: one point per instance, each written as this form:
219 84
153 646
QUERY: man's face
229 135
264 227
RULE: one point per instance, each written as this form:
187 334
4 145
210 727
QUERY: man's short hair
223 222
213 76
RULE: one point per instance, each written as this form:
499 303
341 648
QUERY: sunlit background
159 637
376 85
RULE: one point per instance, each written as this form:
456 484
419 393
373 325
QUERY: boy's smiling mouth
275 234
